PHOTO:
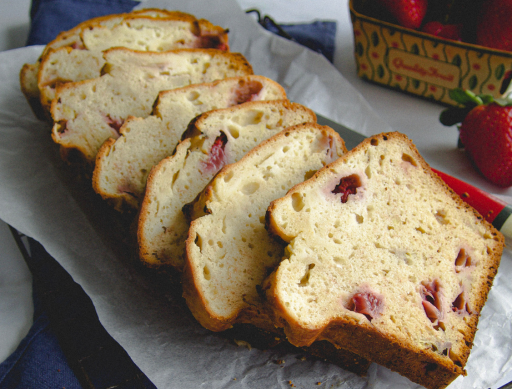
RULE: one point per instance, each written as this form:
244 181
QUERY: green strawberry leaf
465 97
468 100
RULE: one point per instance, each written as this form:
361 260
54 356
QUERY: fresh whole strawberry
408 13
494 28
485 133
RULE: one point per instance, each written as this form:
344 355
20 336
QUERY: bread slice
224 136
122 165
101 33
229 252
383 260
69 64
87 113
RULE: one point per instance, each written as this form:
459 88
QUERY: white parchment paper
163 340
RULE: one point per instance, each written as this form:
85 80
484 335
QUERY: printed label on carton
423 69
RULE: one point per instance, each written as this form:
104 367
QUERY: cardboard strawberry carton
422 64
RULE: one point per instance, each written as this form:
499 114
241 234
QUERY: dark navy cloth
67 347
38 361
49 17
319 36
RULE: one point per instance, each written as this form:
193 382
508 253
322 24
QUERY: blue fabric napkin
67 347
319 36
49 17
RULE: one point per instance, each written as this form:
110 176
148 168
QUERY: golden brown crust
196 301
144 252
143 13
28 84
122 201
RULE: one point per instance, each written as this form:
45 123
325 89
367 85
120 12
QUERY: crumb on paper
243 343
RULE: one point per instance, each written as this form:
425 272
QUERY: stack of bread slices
266 216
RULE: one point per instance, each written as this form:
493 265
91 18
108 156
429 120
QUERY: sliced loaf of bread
104 32
225 136
383 260
87 113
229 252
122 165
69 64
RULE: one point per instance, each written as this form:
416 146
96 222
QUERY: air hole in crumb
252 118
250 188
359 219
309 174
224 227
368 172
206 273
233 130
441 217
339 260
408 158
305 279
199 242
229 176
297 202
374 142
